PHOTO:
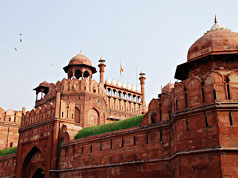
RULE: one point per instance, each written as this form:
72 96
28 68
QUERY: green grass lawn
117 125
8 151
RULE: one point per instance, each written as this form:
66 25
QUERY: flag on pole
121 69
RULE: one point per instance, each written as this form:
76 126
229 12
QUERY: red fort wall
128 153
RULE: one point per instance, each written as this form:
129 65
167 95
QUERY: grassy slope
118 125
8 151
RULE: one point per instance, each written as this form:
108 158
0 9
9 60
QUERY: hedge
110 127
8 151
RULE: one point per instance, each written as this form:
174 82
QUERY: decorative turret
142 84
43 88
80 66
101 66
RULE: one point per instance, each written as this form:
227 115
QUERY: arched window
86 74
152 117
70 74
77 115
93 118
78 74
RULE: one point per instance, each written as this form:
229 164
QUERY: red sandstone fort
189 131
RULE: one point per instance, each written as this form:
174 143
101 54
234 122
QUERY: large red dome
216 41
80 59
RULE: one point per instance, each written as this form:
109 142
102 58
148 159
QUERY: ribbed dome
133 88
114 82
128 86
108 81
123 85
44 84
118 84
80 59
217 40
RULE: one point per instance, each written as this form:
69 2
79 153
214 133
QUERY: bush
8 151
105 128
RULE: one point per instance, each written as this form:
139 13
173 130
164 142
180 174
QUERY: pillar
101 67
57 106
142 84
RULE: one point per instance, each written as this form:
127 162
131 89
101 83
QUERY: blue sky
153 35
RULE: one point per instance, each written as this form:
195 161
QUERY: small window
187 126
122 142
203 96
147 138
206 122
161 136
230 119
186 97
228 91
215 95
100 146
11 144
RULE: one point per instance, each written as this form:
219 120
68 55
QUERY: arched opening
70 75
39 174
33 159
86 74
77 115
108 91
93 118
129 96
153 117
119 94
114 93
78 74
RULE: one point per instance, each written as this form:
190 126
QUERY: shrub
105 128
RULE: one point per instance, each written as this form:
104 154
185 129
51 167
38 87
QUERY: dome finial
216 26
80 52
215 20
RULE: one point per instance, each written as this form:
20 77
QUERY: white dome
128 86
118 84
108 81
142 73
137 89
123 85
114 82
133 88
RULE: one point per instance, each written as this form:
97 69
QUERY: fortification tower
9 123
201 108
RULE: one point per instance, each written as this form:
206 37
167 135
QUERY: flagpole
136 76
120 71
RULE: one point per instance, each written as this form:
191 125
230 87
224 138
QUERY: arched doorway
39 174
33 160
